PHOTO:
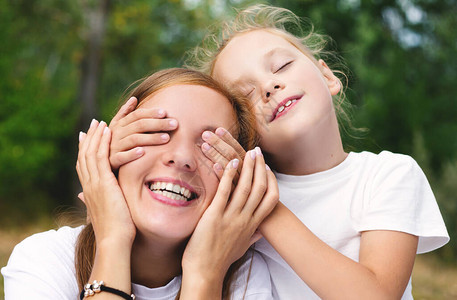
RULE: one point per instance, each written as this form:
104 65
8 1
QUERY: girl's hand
132 129
229 225
220 147
105 202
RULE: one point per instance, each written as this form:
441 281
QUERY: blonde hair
243 129
286 24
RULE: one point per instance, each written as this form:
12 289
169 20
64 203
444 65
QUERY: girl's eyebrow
274 51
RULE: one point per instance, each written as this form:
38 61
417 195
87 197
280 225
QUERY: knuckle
100 155
262 187
245 191
140 125
133 139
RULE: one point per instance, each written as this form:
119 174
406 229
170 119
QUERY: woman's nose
182 157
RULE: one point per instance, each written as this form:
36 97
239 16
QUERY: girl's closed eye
283 66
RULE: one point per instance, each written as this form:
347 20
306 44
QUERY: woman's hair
243 129
286 24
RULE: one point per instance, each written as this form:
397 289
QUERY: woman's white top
43 267
366 191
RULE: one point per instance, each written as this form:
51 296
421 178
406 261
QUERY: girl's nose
271 88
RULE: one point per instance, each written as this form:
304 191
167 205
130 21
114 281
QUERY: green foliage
401 55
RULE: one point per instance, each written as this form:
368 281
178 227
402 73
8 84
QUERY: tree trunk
95 14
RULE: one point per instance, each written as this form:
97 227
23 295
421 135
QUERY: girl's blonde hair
243 129
286 24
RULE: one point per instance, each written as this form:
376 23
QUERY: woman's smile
172 184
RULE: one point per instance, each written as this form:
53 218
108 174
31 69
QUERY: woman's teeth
283 107
172 191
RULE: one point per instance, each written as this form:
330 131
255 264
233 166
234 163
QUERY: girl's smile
292 97
284 106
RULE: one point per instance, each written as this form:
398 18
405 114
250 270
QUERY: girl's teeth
288 103
176 188
281 108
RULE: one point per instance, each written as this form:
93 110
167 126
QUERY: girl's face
171 185
292 93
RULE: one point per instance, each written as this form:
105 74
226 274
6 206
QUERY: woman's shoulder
41 260
64 237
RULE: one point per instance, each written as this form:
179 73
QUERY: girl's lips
284 106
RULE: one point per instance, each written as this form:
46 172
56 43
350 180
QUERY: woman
165 223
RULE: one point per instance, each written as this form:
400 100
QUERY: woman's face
292 94
168 189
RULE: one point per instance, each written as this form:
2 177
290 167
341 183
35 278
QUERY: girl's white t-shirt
43 267
366 191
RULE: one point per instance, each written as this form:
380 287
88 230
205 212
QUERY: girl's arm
228 227
386 258
107 210
385 264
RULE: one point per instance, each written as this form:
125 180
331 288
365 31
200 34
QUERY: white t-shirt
366 191
43 267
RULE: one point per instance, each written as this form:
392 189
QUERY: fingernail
173 123
92 124
129 102
81 134
267 167
206 135
161 112
106 130
220 131
164 137
206 146
102 123
217 166
252 154
258 151
139 151
235 163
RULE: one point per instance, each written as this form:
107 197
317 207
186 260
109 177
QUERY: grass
432 279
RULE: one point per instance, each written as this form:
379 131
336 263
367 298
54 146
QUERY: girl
351 223
137 241
364 216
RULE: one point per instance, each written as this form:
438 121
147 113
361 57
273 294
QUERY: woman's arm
108 211
228 227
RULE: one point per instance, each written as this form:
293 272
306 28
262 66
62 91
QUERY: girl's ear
333 83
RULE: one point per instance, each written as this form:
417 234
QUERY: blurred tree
401 54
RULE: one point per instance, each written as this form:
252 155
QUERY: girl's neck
315 151
155 264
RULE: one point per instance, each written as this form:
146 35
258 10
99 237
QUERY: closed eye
284 66
249 93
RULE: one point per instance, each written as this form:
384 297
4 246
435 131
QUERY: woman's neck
155 264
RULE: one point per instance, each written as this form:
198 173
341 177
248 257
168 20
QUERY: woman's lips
171 191
170 201
284 106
